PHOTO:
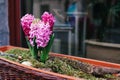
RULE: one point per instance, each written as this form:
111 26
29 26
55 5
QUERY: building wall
53 4
4 30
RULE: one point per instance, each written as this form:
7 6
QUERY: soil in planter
63 66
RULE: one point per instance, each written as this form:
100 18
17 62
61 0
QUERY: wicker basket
13 71
10 70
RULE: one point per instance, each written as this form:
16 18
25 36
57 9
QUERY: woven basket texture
10 71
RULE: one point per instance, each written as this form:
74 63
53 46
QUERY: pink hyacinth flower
46 17
26 22
41 32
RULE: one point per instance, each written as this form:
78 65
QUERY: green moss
56 64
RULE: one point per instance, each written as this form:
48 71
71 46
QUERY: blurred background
77 23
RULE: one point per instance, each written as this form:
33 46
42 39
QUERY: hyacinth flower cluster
39 34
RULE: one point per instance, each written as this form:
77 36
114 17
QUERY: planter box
10 70
109 52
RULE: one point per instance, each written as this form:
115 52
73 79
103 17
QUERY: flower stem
34 52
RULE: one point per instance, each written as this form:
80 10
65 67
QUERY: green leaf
45 51
48 47
33 49
28 43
